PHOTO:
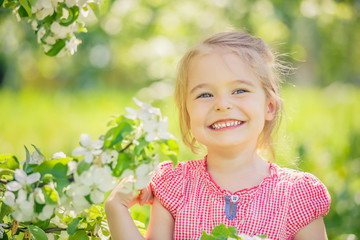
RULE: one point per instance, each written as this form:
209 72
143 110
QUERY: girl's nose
222 105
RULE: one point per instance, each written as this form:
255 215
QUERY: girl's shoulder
308 197
182 170
296 178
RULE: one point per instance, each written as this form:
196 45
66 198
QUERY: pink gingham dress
278 207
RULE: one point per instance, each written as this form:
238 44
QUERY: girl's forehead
218 64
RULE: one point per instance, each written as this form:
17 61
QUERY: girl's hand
121 194
146 196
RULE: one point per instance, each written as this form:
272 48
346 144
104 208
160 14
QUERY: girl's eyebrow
238 81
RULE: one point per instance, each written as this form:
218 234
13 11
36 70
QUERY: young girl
228 98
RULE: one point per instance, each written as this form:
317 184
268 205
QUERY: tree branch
3 181
126 147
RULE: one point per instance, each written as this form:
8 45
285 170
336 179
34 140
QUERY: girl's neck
230 162
235 172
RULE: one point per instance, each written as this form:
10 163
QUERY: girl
228 98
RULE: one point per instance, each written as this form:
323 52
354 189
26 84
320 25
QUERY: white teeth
227 124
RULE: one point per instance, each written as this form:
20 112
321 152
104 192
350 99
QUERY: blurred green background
133 49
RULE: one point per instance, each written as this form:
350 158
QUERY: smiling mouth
225 124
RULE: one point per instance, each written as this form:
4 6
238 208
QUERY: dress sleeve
167 185
310 200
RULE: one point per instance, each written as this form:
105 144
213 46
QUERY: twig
126 147
3 181
49 230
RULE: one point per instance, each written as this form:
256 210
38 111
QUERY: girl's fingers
146 196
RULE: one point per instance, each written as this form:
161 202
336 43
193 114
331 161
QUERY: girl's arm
314 230
161 224
120 222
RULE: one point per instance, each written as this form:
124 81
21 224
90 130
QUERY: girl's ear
270 110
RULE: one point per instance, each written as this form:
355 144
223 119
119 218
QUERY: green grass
320 134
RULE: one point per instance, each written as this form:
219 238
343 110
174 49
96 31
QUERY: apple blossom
88 148
22 179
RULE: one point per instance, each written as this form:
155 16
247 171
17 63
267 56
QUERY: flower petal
58 155
20 176
85 139
9 198
97 196
13 186
34 177
79 151
97 144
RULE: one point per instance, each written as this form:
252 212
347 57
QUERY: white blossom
23 207
79 3
109 156
88 148
72 165
46 212
143 176
71 45
22 179
43 8
2 230
99 180
145 112
34 25
59 155
156 129
58 222
37 158
39 196
50 40
74 198
40 34
62 31
9 198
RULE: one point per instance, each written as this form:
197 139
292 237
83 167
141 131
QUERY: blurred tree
135 43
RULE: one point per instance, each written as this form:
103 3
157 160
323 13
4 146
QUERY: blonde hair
257 55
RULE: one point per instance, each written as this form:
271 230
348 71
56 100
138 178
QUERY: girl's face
226 103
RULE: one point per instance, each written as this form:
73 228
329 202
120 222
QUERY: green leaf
73 15
72 227
57 168
25 4
220 232
22 12
27 160
38 151
10 4
140 147
94 212
9 161
79 235
116 134
95 8
51 196
43 224
5 209
82 167
123 162
60 44
37 233
6 172
5 237
1 2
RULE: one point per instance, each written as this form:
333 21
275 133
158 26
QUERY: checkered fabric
280 206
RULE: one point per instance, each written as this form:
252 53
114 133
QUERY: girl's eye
205 95
239 91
